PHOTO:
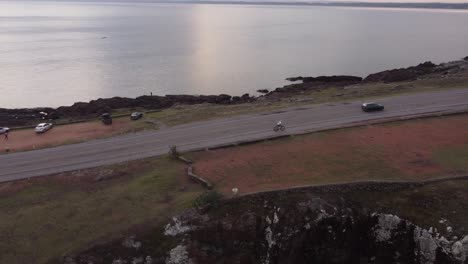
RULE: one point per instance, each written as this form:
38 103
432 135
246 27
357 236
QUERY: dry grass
409 150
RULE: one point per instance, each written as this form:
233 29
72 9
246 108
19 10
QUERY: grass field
48 217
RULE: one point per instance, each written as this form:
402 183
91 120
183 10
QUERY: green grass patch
45 221
454 157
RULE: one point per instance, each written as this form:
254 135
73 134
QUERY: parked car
369 107
106 118
136 115
4 130
43 127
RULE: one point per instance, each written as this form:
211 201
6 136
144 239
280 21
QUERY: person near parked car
6 135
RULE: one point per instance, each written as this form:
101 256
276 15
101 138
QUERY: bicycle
279 128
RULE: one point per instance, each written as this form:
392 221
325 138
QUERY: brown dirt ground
27 139
403 150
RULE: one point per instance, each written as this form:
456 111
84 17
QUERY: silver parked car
43 127
136 115
4 130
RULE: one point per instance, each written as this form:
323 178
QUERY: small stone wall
192 175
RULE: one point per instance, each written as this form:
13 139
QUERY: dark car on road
136 115
106 118
370 107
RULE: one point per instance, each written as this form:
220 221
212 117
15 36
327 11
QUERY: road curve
207 134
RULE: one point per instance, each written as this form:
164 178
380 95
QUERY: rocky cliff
256 230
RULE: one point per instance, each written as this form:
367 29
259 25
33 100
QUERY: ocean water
58 53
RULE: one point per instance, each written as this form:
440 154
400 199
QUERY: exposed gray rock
310 230
178 255
386 226
460 250
320 232
130 242
148 260
176 227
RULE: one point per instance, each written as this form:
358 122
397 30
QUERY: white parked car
43 127
136 115
4 130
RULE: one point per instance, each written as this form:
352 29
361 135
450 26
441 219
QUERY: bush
209 199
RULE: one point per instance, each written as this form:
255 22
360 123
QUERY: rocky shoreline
389 76
92 109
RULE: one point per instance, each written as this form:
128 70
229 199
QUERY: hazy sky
371 1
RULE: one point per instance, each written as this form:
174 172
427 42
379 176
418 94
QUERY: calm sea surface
57 53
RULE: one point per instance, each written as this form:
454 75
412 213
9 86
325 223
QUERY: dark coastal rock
391 76
313 83
264 91
236 99
403 74
246 97
20 117
309 83
466 58
425 65
295 79
327 79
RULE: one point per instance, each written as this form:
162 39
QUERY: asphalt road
208 134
